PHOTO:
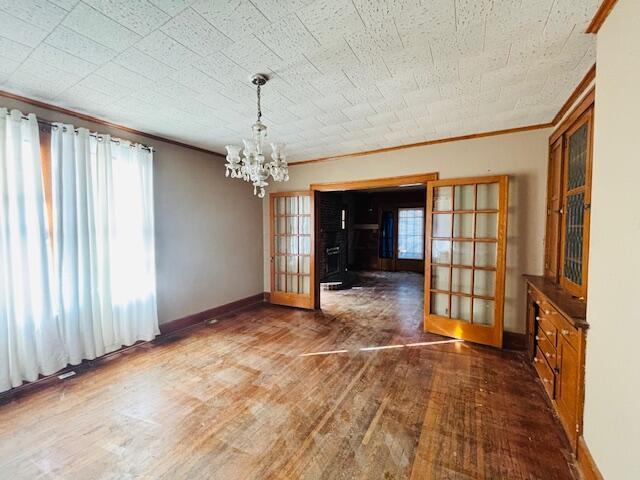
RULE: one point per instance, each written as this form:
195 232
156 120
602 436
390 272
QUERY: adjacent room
368 235
319 239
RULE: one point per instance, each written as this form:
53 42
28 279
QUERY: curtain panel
30 340
104 242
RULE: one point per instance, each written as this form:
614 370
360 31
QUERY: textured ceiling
346 75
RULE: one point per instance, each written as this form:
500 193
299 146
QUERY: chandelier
251 166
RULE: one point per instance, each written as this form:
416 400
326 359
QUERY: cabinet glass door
465 261
292 258
577 199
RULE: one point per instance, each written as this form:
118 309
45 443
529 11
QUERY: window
411 233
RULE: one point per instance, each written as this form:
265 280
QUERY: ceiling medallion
251 165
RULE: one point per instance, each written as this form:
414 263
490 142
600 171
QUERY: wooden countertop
573 309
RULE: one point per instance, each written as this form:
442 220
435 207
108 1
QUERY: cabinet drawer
545 307
548 328
547 349
535 296
569 332
544 371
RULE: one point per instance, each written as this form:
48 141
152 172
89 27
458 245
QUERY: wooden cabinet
557 344
569 203
567 391
556 301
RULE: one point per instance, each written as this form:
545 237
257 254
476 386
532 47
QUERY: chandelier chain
259 109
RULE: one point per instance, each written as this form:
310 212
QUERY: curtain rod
92 134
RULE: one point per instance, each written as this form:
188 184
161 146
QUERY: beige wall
612 390
523 156
208 227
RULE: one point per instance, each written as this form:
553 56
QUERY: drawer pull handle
538 318
545 380
547 312
537 337
536 359
566 332
548 355
550 334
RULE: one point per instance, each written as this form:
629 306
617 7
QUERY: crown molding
428 142
575 95
601 15
99 121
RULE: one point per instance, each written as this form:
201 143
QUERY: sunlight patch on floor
381 347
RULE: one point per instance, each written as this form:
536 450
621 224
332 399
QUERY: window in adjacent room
411 233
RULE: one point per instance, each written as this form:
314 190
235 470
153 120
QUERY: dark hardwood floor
354 391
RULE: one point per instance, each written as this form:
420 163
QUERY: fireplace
332 264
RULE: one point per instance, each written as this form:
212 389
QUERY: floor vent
66 375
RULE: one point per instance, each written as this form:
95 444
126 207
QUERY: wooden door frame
354 185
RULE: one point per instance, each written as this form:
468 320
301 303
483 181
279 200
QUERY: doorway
368 226
457 238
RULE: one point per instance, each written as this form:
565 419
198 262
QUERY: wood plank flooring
278 393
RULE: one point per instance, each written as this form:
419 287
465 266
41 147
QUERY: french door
292 249
466 234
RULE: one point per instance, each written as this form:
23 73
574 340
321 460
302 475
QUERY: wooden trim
601 15
166 329
289 194
428 142
403 180
90 118
586 103
200 317
575 95
586 465
579 90
515 341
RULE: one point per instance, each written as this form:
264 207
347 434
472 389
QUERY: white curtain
104 242
30 342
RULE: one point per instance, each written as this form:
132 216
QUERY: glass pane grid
574 231
577 158
292 232
464 252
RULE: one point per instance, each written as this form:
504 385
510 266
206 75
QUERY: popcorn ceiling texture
346 75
